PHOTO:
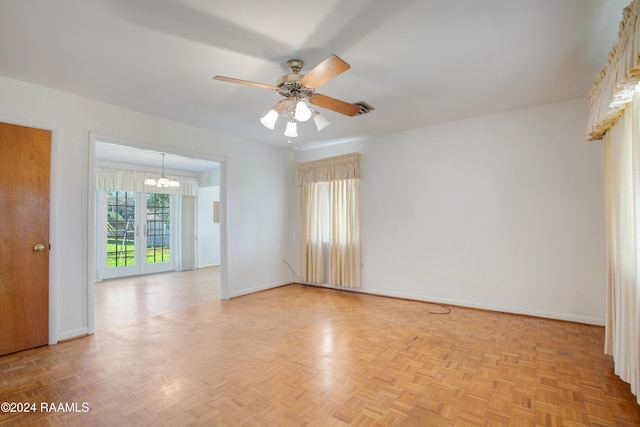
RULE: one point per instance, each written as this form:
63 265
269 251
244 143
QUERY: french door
137 233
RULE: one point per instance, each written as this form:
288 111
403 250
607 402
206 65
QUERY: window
330 220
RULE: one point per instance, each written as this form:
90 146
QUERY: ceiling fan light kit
298 91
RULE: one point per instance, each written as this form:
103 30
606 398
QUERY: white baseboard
76 333
208 265
257 288
526 311
472 304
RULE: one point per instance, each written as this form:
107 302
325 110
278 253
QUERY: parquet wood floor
119 301
304 356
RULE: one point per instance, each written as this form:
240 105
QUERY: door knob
38 248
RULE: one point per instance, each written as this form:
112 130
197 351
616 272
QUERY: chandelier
163 181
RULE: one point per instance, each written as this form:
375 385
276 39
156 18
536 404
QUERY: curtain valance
335 168
615 84
108 179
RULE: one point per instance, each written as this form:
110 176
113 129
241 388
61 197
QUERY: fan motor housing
289 85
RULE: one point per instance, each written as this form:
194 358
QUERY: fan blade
244 82
331 67
334 104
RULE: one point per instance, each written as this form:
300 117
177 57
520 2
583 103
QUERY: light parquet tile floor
304 356
120 301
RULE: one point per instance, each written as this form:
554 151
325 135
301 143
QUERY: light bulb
163 182
174 183
150 181
269 119
292 129
303 113
320 121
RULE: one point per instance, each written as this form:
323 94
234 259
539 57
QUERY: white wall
188 234
208 231
256 220
500 212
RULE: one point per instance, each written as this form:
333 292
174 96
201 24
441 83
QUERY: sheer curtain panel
621 147
614 108
330 220
344 226
313 220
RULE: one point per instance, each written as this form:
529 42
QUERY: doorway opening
153 251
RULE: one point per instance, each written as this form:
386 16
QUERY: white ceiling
417 62
133 156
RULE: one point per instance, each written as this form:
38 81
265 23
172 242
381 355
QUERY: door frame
92 241
54 197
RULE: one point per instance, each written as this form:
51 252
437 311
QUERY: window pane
158 228
121 220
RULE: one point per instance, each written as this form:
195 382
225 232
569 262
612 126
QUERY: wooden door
25 156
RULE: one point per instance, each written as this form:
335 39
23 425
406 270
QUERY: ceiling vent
364 107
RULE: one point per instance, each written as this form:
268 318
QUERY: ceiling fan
298 88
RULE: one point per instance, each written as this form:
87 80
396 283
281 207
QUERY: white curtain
344 226
330 220
614 106
621 147
108 179
313 231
